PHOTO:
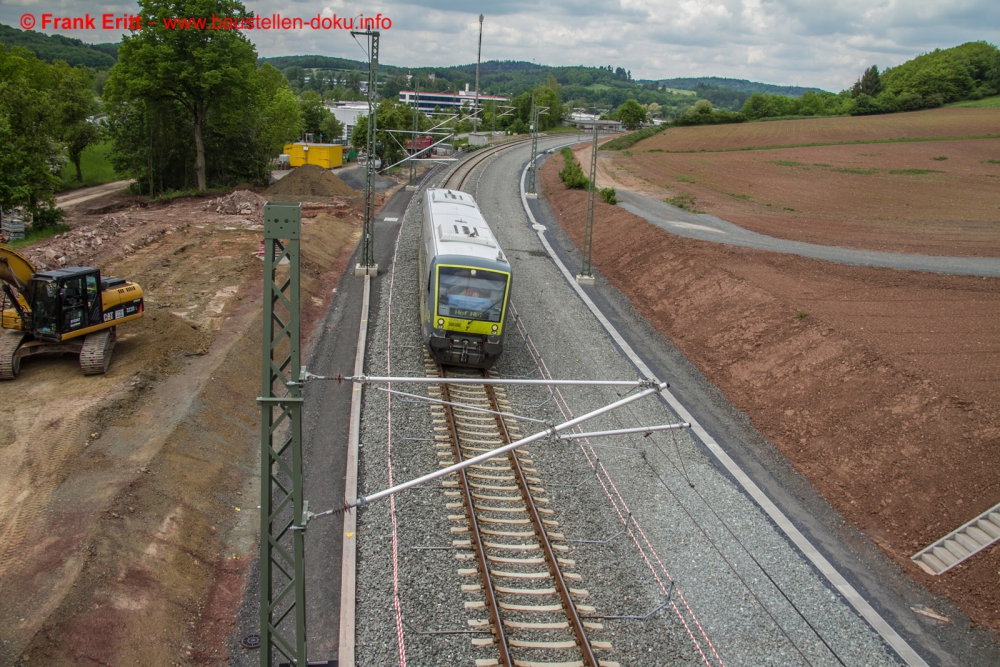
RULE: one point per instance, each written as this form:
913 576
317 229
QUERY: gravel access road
82 195
737 591
707 227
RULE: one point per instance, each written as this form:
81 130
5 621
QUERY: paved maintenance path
710 228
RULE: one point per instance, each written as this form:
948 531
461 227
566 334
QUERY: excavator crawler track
10 357
95 357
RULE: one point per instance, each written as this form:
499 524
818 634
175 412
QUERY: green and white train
466 282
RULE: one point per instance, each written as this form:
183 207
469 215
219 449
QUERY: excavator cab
70 310
64 301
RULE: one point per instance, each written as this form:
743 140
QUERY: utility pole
586 276
416 128
533 127
282 528
368 266
479 54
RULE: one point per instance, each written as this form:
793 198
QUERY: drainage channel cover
960 544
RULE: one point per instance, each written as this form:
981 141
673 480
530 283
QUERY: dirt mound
239 202
310 180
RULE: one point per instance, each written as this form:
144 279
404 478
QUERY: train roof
458 227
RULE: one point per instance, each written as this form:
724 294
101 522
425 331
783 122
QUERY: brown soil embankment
881 387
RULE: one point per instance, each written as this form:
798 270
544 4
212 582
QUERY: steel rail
463 406
575 621
547 433
477 543
465 169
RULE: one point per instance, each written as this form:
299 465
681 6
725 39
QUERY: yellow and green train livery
465 282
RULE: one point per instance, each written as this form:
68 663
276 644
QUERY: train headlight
494 329
440 322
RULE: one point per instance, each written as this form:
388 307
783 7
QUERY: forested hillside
579 87
967 72
57 47
739 85
970 71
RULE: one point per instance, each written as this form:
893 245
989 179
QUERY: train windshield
471 294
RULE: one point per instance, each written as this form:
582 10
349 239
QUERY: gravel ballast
743 594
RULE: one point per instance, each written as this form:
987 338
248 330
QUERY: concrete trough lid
960 544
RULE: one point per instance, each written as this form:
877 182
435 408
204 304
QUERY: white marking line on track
898 644
391 219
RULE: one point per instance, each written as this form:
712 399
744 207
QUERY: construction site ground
128 501
881 387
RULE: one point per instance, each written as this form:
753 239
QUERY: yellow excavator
70 310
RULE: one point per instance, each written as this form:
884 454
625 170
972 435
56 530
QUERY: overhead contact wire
749 553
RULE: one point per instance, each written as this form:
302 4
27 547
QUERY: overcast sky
822 43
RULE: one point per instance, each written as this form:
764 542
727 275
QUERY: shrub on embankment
572 177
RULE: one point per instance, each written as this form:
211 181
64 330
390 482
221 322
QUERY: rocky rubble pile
75 246
240 202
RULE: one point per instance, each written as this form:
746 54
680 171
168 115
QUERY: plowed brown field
881 387
930 124
939 197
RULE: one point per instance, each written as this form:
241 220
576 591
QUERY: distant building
585 121
447 101
348 114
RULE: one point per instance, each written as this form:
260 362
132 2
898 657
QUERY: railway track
532 601
458 178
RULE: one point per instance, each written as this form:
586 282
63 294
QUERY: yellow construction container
327 156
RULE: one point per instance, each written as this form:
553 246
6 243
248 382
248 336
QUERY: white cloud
802 42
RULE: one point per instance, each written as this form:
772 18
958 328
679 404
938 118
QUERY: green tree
544 97
313 112
273 119
632 114
865 105
151 138
74 104
331 128
30 155
949 75
870 83
390 116
203 71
